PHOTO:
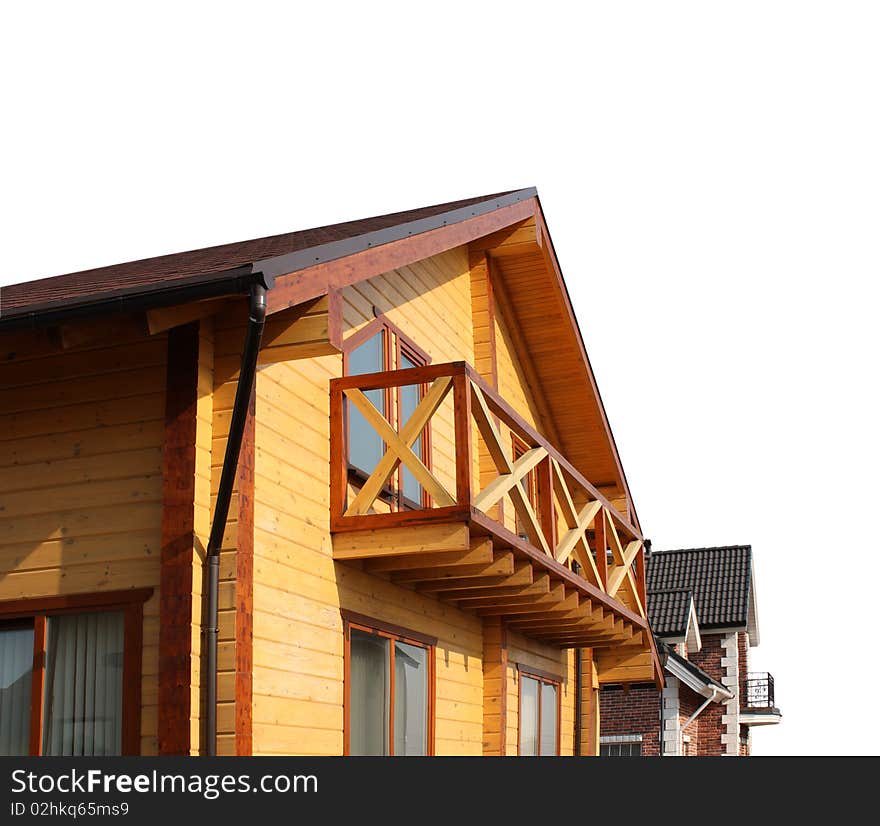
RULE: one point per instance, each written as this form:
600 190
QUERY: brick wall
709 725
742 644
636 711
688 703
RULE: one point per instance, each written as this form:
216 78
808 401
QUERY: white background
710 175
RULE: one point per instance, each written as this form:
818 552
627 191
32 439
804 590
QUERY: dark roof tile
719 578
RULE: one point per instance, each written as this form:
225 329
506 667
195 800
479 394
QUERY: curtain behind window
369 694
410 700
82 713
16 664
549 706
528 722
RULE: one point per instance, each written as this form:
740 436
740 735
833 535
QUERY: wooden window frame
395 343
131 604
542 678
394 633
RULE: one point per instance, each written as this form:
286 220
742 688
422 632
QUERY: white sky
710 175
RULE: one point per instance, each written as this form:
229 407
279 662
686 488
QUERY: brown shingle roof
213 264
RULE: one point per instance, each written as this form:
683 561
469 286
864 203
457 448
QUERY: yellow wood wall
81 434
299 590
528 653
80 510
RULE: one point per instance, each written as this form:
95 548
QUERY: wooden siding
529 654
299 590
81 433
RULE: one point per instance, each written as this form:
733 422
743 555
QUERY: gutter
243 392
134 299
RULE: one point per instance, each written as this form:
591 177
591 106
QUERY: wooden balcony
526 539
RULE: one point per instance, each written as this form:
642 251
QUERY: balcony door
378 348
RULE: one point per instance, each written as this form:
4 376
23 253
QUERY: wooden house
344 490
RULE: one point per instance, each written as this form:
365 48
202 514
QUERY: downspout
578 700
578 689
243 391
716 695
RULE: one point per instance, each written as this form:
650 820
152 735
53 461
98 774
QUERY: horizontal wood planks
81 439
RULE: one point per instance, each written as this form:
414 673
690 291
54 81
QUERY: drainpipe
716 695
578 679
243 391
578 699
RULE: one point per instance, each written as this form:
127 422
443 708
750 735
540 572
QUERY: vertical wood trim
494 687
601 547
338 455
131 686
244 588
178 536
346 688
461 391
38 678
485 353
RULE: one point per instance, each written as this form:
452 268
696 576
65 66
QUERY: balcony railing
759 690
456 444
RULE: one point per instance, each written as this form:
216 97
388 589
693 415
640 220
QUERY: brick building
704 615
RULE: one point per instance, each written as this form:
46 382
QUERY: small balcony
437 482
759 703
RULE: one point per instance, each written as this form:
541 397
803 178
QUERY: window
620 750
377 348
70 675
389 675
538 715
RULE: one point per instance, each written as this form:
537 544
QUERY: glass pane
16 662
548 719
528 720
369 694
409 400
364 445
82 705
410 700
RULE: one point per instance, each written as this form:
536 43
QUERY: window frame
545 678
394 633
38 610
395 343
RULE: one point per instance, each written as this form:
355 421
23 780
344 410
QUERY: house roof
669 611
720 579
223 264
303 265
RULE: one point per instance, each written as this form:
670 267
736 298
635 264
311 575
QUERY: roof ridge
695 550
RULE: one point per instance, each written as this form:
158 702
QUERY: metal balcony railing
759 690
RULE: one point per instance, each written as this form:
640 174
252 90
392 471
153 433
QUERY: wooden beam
244 586
308 330
166 318
536 604
501 565
475 597
453 588
479 552
400 541
178 542
299 286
